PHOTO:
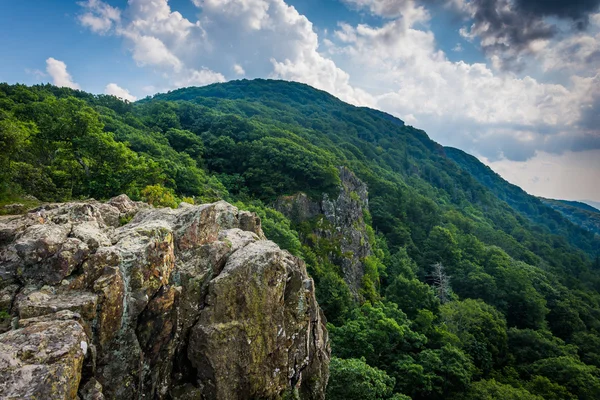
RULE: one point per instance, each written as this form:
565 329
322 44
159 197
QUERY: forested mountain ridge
576 204
520 314
579 213
536 209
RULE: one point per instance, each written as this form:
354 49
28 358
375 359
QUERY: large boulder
119 300
42 361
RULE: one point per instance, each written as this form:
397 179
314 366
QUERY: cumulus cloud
116 90
511 29
470 106
58 72
98 16
269 37
506 30
410 10
239 70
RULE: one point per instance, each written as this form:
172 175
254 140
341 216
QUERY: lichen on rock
339 221
119 300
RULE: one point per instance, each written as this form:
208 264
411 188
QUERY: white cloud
466 105
149 50
58 72
116 90
239 70
98 16
200 77
570 176
269 36
253 14
406 9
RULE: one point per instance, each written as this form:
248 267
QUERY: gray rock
42 302
342 223
42 361
154 302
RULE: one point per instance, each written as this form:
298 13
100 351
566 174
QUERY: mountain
577 204
579 213
594 204
535 209
438 278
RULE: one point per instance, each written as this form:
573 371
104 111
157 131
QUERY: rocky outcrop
340 221
192 303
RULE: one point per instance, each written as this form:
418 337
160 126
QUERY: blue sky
514 82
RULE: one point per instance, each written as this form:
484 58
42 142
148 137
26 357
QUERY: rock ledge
192 303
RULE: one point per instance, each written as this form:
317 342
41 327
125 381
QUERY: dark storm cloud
507 28
576 10
590 115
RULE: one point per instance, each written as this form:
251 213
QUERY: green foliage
481 330
275 226
355 379
412 295
493 390
433 373
4 315
159 196
548 390
580 379
378 333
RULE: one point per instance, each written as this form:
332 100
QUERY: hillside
533 208
594 204
439 279
578 213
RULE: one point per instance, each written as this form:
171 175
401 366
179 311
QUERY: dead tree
441 282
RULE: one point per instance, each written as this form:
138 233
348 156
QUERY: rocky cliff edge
119 300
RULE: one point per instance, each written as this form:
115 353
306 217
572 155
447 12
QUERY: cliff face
192 303
343 223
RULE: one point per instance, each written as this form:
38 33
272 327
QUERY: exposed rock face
192 303
345 223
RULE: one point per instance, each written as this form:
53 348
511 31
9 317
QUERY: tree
433 374
159 196
411 295
481 330
14 136
548 390
353 379
441 283
493 390
379 333
580 379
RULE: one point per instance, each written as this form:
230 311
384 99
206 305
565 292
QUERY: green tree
433 373
411 296
378 332
481 330
493 390
353 379
580 379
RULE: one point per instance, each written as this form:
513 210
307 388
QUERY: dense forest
475 290
579 213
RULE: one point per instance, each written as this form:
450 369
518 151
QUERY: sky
514 82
